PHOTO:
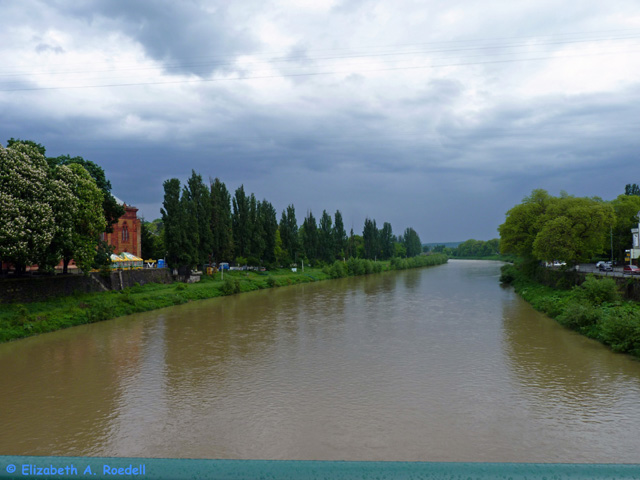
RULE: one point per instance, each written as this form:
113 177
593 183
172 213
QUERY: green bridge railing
96 468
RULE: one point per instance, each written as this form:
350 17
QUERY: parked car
555 263
631 270
605 267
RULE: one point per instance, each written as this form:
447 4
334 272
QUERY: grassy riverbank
23 320
594 308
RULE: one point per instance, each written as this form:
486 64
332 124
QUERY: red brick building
127 235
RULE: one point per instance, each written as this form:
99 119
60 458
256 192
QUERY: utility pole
611 245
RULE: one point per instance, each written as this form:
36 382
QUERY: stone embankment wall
629 285
35 288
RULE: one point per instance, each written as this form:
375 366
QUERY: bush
579 314
508 274
231 286
622 331
598 291
271 281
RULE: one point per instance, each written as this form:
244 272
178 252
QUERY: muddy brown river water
434 364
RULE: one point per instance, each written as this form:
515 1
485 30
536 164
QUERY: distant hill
446 244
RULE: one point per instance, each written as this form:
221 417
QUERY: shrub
231 286
622 331
598 291
508 274
271 281
579 314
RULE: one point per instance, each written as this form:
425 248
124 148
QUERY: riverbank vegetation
594 308
474 250
574 230
570 229
203 224
53 209
23 320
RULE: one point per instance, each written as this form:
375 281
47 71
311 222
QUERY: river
432 364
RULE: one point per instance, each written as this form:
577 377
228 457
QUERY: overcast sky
440 115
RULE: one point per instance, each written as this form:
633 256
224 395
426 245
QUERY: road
591 268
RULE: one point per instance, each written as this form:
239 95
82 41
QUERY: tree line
204 224
573 229
470 248
52 209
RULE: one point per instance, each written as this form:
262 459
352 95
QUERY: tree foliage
27 222
412 242
220 224
568 228
112 210
52 211
339 235
632 189
370 239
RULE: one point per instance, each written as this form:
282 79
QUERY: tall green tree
325 238
309 236
241 223
632 189
112 210
370 239
568 228
522 224
88 217
174 228
30 143
269 229
190 233
386 241
412 242
340 240
199 197
289 233
257 245
221 225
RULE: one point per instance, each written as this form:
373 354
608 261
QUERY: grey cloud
44 47
186 37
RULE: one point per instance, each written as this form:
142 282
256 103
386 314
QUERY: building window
125 233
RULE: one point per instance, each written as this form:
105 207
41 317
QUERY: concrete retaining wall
629 285
35 288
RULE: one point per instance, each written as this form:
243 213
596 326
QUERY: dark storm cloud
186 37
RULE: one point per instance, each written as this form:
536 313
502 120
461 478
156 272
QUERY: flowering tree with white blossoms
27 223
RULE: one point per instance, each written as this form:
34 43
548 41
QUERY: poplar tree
289 233
339 237
269 228
310 236
412 243
370 238
220 223
199 199
386 241
240 223
325 238
172 218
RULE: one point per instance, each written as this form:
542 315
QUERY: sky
436 115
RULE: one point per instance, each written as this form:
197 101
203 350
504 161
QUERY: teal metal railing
62 468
